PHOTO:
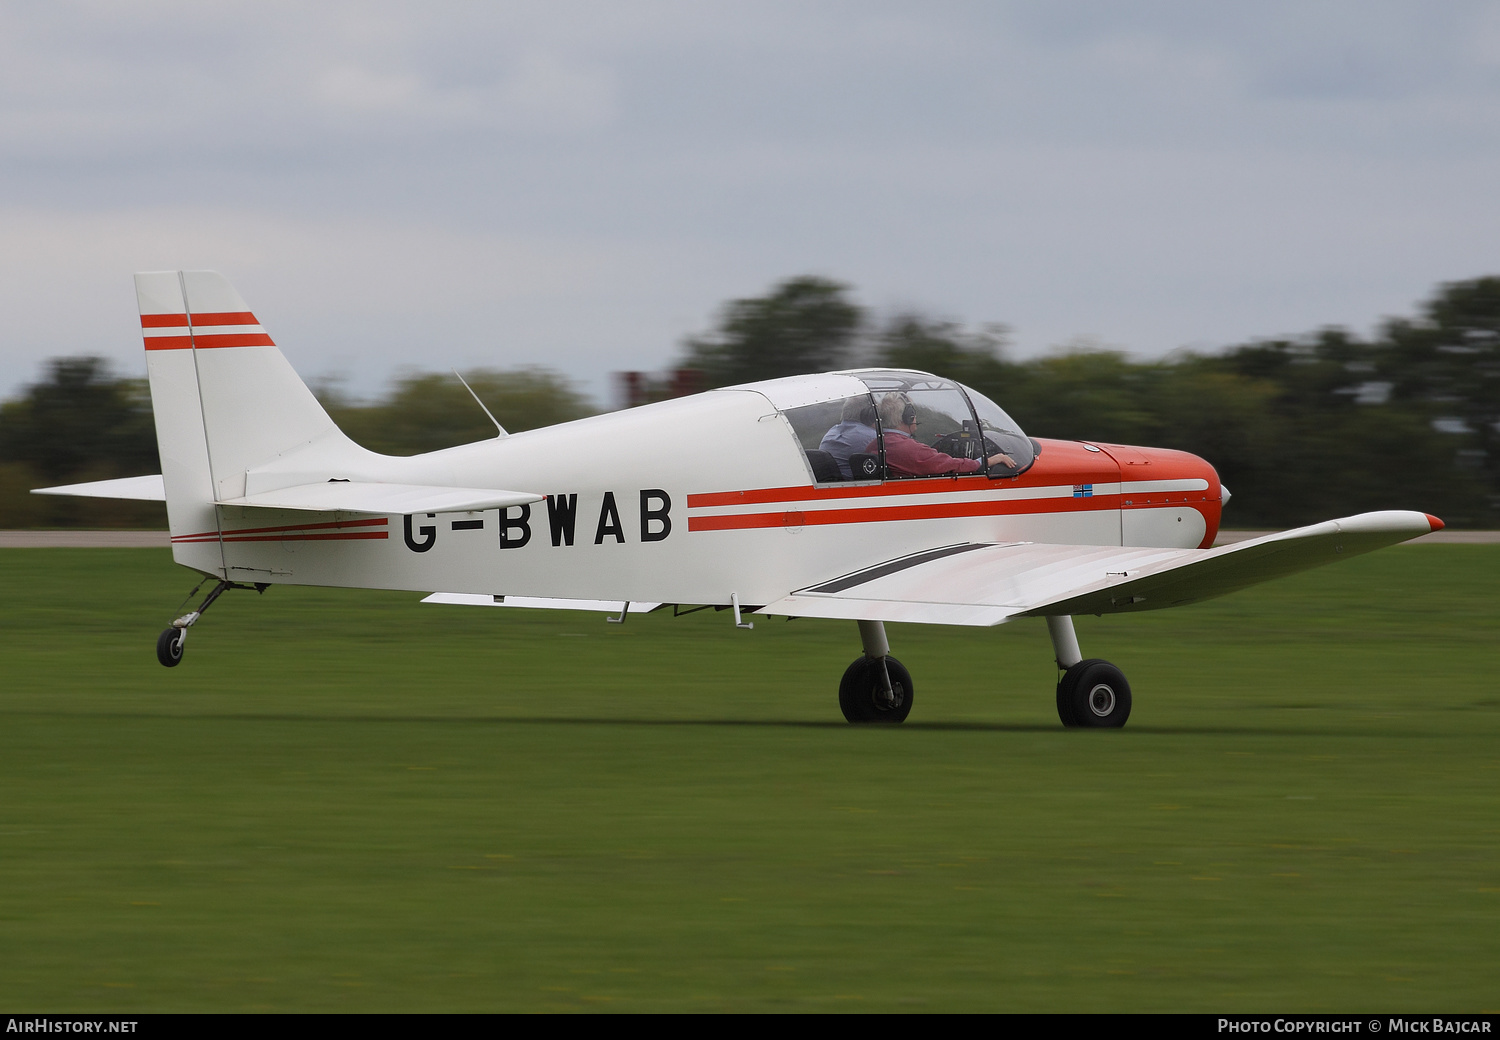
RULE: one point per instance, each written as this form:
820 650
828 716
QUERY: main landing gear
876 687
169 645
1090 694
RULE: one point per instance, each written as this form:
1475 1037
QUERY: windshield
1001 434
950 418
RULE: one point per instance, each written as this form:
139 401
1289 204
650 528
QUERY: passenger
907 457
855 429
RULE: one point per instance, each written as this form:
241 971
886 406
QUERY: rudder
224 398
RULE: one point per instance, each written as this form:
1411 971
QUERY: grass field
349 801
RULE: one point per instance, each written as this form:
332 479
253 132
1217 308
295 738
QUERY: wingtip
1434 522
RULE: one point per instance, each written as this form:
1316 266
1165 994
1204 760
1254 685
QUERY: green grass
349 801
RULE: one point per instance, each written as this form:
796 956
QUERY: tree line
1300 429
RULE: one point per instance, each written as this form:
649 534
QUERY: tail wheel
862 696
1093 694
169 647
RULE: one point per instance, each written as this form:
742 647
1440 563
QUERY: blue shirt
845 439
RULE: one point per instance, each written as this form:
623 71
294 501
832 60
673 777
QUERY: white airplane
871 495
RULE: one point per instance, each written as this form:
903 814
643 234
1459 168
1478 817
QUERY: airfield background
1300 429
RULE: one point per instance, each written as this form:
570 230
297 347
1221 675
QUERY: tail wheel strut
169 645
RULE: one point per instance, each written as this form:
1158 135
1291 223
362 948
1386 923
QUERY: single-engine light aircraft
870 495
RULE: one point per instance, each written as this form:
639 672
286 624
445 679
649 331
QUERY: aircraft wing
350 496
976 583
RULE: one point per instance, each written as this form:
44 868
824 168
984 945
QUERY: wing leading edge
987 584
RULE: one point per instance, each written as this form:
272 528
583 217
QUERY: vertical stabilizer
224 397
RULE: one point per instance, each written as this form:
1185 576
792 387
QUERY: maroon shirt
906 457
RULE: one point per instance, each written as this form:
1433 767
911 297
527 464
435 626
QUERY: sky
582 185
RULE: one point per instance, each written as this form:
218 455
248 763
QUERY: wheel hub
889 701
1102 700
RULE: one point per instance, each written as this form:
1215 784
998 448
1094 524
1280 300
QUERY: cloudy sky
580 185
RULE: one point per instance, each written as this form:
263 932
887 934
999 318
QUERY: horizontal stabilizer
355 496
139 489
987 584
464 599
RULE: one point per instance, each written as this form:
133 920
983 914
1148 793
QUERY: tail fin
224 397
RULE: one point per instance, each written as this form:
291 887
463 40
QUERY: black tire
1093 694
169 647
1065 698
862 699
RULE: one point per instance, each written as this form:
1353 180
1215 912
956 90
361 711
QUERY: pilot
907 457
855 429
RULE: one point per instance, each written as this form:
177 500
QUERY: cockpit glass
839 438
937 419
1001 434
910 424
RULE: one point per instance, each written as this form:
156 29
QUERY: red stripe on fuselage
344 537
880 514
229 536
808 493
378 521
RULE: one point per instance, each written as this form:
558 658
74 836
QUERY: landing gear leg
1091 693
876 687
169 645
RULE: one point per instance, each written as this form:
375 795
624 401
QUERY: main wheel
1093 694
862 696
169 647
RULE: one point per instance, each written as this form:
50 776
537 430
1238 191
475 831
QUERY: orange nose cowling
1165 464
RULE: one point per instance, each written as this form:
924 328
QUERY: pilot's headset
889 404
908 410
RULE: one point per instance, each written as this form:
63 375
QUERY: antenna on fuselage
480 403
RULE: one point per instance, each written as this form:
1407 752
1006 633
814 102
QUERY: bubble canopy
869 436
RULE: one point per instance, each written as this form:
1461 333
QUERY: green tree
805 324
81 419
1344 440
1445 366
79 423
